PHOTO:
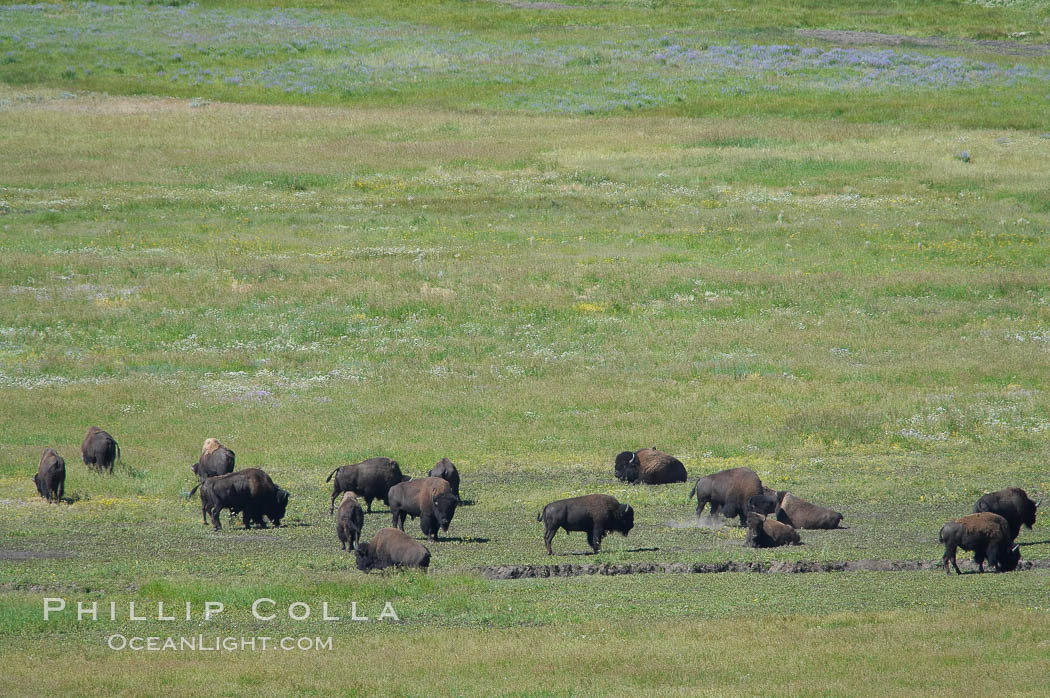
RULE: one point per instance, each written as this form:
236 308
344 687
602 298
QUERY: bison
649 467
799 513
763 504
429 498
765 532
371 479
99 450
391 548
215 459
727 491
50 478
250 491
350 521
595 514
987 535
1013 505
447 471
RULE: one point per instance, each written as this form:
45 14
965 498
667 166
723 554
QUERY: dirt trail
1008 48
776 567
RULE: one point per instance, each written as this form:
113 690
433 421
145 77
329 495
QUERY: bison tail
195 488
118 452
327 479
693 491
539 516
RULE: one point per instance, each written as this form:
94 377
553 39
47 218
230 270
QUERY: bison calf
50 478
764 532
1013 505
728 492
799 513
215 459
649 467
596 514
391 548
429 498
99 450
987 535
349 521
371 479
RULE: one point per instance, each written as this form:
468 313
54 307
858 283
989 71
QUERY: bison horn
1039 502
628 508
1016 546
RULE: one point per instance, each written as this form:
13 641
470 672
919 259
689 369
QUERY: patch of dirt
1006 48
777 567
32 555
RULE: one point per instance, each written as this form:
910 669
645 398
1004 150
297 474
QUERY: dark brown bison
391 548
987 535
100 450
596 514
215 459
764 504
447 471
371 479
728 492
250 491
429 498
1013 505
802 514
50 478
765 532
649 467
350 521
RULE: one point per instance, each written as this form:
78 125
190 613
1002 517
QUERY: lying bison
649 467
987 535
50 478
1013 505
250 491
429 498
391 548
799 513
446 471
349 521
765 532
596 514
371 479
99 450
215 459
728 492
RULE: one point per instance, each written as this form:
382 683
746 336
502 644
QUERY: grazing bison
215 459
250 491
765 532
728 492
987 535
802 514
429 498
371 479
446 471
1013 505
50 478
99 450
649 467
350 521
595 514
391 548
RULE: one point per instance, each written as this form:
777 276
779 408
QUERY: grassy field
525 237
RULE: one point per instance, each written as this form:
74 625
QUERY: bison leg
331 507
368 503
216 522
595 538
548 536
949 556
700 505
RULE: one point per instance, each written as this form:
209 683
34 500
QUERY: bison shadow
591 552
458 539
1036 542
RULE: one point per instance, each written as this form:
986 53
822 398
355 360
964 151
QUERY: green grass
817 288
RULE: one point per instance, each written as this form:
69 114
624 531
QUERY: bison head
1009 560
280 505
445 508
627 466
624 519
364 558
